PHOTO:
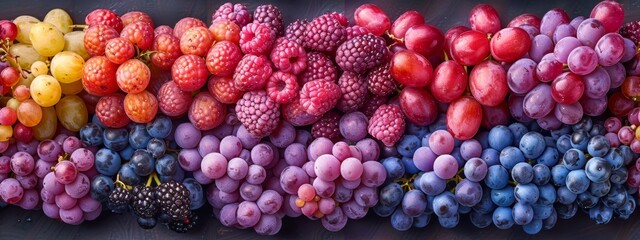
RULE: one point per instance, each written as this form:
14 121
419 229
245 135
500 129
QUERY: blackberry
324 33
327 126
631 30
295 30
379 80
144 201
120 197
270 15
184 225
361 53
173 198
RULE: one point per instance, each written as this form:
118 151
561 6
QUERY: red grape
411 69
619 105
610 13
464 117
9 76
424 39
418 105
510 44
405 21
9 30
631 87
470 48
65 172
484 18
488 83
494 116
567 88
525 19
452 34
373 18
449 82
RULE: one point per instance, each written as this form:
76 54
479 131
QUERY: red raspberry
295 30
324 33
110 111
387 124
196 41
237 13
372 103
297 115
327 127
319 67
140 107
158 78
139 33
224 89
225 30
172 101
356 30
270 15
289 56
104 17
189 72
206 112
257 38
252 72
99 76
258 113
119 50
282 87
361 53
223 58
96 37
342 19
136 16
380 82
133 76
162 29
185 24
353 89
318 97
167 50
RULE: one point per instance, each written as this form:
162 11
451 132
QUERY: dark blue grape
534 227
628 155
449 222
430 184
600 189
424 141
483 139
439 124
142 162
518 130
413 203
526 193
547 194
419 131
128 175
535 127
160 127
626 209
491 156
616 197
497 177
401 221
139 137
389 151
503 197
126 153
619 176
522 213
422 220
510 156
583 124
503 218
549 141
116 139
445 205
541 174
577 181
532 145
409 166
598 169
96 120
383 210
500 137
107 162
614 158
601 214
566 211
91 134
574 159
147 223
480 220
565 129
542 211
458 156
550 222
391 195
167 165
580 139
522 173
196 194
486 205
598 146
563 144
586 200
407 145
394 166
464 209
156 147
559 175
565 196
101 187
598 130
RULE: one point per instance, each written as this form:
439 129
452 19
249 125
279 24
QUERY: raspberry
282 87
361 53
270 15
167 50
256 38
289 56
353 89
139 33
196 41
379 80
136 16
206 112
162 29
356 30
189 72
318 97
258 113
252 72
104 17
342 19
99 76
631 30
319 67
110 111
371 104
327 126
140 107
237 13
185 24
96 37
387 124
119 50
324 33
225 30
172 101
224 89
297 115
133 76
295 30
223 58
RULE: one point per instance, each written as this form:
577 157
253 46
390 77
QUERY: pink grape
326 205
52 185
610 49
582 60
323 188
10 191
43 168
73 216
309 208
230 147
88 204
248 214
369 148
83 158
214 165
589 31
70 144
79 187
47 197
64 201
564 47
5 164
65 172
341 150
318 147
445 166
351 169
441 142
521 76
237 169
308 167
306 192
327 167
22 163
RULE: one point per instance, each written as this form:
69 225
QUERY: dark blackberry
184 225
144 201
361 53
119 197
353 89
237 13
173 198
379 80
319 67
327 126
631 30
295 30
147 223
324 33
270 15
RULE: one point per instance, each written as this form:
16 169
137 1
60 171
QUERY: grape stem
394 38
121 184
81 26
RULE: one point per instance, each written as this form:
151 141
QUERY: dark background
16 223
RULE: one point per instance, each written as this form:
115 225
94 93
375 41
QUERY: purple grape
201 178
475 169
353 210
629 50
341 150
248 214
42 168
562 31
226 184
225 129
552 19
531 30
335 221
318 147
564 47
28 182
250 192
549 68
327 167
31 147
22 163
72 216
373 174
273 183
237 169
575 22
324 189
268 225
303 137
351 169
256 175
342 194
208 144
246 155
366 196
445 166
516 109
308 168
189 159
441 142
262 154
568 113
78 188
295 154
247 140
270 202
610 49
353 126
597 83
549 122
187 135
11 191
589 31
369 148
228 215
538 102
617 74
351 184
83 158
292 178
230 147
521 76
49 150
51 210
423 158
70 144
4 145
64 201
284 135
582 60
214 165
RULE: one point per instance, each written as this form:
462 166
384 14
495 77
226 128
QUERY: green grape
46 129
72 113
39 68
46 39
26 55
60 19
67 67
74 41
24 24
45 90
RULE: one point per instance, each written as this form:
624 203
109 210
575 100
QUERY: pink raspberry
353 89
324 33
237 13
319 67
270 15
295 30
252 72
289 56
282 87
318 97
379 80
258 113
387 124
257 38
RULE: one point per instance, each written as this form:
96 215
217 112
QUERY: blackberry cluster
174 200
144 201
119 199
184 225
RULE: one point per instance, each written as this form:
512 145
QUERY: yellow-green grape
74 41
24 24
71 88
67 67
46 39
39 68
46 129
26 55
45 90
60 19
72 113
6 132
13 104
26 81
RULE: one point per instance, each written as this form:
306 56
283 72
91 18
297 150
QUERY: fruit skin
411 69
470 48
297 115
327 127
488 83
110 111
224 89
425 39
257 103
99 76
353 89
449 82
237 13
252 72
464 117
141 107
605 9
119 50
133 76
172 101
484 18
139 33
387 124
318 97
288 56
418 106
379 80
295 30
372 18
185 24
196 41
135 16
96 37
270 15
167 50
510 44
189 72
223 57
257 38
282 87
206 112
324 33
104 17
225 30
361 53
319 67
